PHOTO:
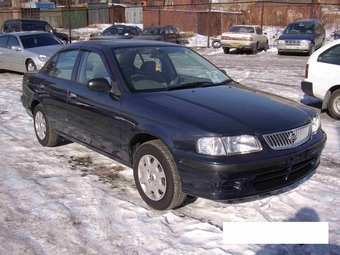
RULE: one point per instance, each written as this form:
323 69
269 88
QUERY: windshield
38 40
300 28
114 31
166 68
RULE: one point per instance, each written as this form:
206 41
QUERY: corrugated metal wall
134 15
98 13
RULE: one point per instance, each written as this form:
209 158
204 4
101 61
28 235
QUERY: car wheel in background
266 46
334 105
216 44
30 65
156 176
42 128
280 53
312 50
226 50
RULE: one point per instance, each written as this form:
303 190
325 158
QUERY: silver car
26 51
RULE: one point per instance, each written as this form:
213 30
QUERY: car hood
309 37
231 110
46 50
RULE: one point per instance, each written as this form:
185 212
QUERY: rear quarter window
331 56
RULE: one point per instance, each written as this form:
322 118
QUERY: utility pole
69 20
209 21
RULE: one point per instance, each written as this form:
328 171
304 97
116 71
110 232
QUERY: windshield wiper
196 84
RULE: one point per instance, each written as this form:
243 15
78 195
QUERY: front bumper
294 48
250 178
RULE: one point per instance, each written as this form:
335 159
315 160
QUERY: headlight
42 58
210 146
281 41
232 145
305 42
316 124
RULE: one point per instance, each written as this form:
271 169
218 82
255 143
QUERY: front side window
13 42
163 68
61 65
92 66
331 56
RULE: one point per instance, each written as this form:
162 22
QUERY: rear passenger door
52 91
94 116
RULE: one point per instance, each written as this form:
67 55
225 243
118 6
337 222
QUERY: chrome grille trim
288 139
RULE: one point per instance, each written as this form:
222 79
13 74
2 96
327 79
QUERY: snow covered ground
70 200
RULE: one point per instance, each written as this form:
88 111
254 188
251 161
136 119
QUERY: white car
244 37
322 77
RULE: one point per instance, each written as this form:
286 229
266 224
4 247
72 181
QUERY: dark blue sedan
182 124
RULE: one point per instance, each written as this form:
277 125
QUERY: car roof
305 20
25 20
119 44
26 33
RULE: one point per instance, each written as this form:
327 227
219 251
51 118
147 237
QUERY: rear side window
331 56
61 65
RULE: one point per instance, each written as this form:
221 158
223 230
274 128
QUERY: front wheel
42 128
156 176
30 65
334 105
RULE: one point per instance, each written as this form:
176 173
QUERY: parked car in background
17 25
244 37
302 36
181 123
27 51
161 33
322 77
118 32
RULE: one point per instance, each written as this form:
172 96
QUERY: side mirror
17 48
223 71
98 85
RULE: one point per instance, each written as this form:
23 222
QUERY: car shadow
316 104
305 214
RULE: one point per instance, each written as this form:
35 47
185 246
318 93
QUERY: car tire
42 128
255 49
334 105
266 46
280 53
216 44
156 176
226 50
312 50
30 65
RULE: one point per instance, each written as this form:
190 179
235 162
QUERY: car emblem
292 137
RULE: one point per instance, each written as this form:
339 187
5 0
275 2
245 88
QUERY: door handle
73 96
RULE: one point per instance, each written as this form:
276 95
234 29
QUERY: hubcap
337 105
30 67
151 177
40 125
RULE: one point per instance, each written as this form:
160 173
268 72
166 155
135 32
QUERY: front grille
286 176
293 42
288 139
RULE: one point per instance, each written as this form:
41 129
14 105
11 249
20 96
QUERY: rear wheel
255 49
42 128
334 105
30 65
156 176
266 46
226 50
